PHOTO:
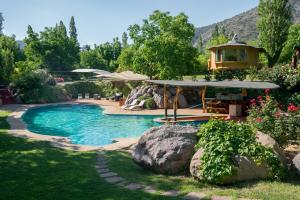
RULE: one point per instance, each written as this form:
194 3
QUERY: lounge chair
87 95
136 107
133 103
80 96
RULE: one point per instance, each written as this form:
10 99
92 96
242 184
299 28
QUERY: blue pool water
85 124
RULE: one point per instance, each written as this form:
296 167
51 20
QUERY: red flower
260 98
253 102
292 108
267 91
259 119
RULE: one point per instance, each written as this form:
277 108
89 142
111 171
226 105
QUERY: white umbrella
96 71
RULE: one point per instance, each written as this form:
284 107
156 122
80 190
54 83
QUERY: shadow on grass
35 170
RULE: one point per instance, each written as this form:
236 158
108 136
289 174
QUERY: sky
99 21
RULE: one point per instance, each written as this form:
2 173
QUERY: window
230 55
242 55
234 55
218 55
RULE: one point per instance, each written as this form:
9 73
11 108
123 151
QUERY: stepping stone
133 186
123 183
101 171
150 189
108 174
101 160
195 196
215 197
114 179
246 199
101 166
101 153
171 193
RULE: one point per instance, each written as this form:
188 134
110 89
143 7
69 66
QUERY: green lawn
35 170
122 163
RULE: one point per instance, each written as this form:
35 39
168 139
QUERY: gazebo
234 55
202 87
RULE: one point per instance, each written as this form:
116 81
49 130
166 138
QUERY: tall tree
273 25
1 23
124 40
73 30
223 31
162 46
200 44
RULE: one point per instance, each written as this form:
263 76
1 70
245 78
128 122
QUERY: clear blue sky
99 21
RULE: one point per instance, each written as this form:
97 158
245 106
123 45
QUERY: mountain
244 24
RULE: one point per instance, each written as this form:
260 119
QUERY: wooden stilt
166 103
175 103
203 99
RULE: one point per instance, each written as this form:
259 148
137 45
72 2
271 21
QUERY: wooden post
203 99
175 103
166 103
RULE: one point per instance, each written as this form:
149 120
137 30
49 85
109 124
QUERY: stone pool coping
18 128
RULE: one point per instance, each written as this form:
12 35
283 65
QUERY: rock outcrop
166 149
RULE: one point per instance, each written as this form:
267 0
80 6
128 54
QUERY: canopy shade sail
96 71
126 76
260 85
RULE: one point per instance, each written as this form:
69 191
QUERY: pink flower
260 98
253 102
293 108
267 91
277 114
259 119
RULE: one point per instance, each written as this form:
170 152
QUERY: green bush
222 140
38 87
231 74
150 103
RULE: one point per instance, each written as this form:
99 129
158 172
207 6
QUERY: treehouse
234 55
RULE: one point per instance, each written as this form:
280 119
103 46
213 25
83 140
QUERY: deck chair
80 96
87 95
133 103
136 107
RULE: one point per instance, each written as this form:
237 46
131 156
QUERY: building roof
234 42
260 85
126 75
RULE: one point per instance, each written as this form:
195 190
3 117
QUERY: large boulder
296 162
182 102
246 169
159 100
166 149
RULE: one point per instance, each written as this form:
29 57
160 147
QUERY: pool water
85 124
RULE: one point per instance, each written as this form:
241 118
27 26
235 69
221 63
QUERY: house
234 55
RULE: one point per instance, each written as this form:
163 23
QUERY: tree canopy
52 48
273 25
162 47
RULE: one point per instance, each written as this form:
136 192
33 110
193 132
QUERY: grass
35 170
121 163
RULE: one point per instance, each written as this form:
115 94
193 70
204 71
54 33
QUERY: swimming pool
85 124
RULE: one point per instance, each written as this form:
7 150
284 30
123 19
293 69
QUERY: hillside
243 24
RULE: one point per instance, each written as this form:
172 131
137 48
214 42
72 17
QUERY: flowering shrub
265 115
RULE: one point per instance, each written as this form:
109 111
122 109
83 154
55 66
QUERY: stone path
114 178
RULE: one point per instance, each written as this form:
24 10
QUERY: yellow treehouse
233 56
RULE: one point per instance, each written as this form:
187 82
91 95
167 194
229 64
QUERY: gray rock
159 100
246 168
166 149
150 91
159 91
172 91
296 162
269 142
182 103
